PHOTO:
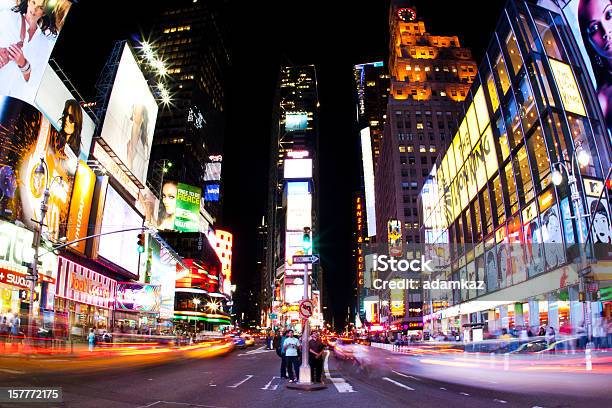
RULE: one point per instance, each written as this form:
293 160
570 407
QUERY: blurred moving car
248 340
343 348
239 342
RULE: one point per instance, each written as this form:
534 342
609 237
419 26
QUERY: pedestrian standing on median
291 346
315 357
91 339
281 353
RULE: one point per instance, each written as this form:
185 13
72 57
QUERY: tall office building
430 77
371 93
191 41
292 195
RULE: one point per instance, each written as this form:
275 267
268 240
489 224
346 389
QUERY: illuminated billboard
294 245
394 237
80 206
368 180
179 208
590 38
299 206
211 192
212 171
138 297
26 136
20 77
398 304
130 117
119 248
66 115
163 273
296 121
297 168
223 248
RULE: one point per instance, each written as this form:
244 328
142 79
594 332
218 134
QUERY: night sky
263 35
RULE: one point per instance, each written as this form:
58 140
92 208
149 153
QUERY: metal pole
305 367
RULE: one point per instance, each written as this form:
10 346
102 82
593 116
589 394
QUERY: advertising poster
588 22
26 137
163 273
394 237
80 206
600 230
75 126
211 193
187 208
213 171
552 238
20 76
138 297
534 250
119 248
299 206
296 121
130 117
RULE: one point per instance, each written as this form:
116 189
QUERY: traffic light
306 240
141 242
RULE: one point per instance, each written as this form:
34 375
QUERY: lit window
410 149
442 93
408 67
419 126
402 149
422 149
417 68
432 149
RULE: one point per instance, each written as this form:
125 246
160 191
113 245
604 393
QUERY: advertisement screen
120 248
296 121
138 297
298 168
213 172
21 77
394 237
212 192
163 273
179 208
80 206
299 209
368 180
26 136
58 105
130 117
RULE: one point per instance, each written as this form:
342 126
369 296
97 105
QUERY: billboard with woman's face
26 137
590 24
130 117
552 237
28 31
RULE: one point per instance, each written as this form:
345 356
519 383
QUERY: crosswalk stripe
238 384
340 383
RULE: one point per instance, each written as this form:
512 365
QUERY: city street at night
250 378
300 204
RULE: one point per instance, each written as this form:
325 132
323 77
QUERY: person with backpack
280 351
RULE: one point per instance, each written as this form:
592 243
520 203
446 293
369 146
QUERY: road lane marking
253 352
6 370
399 384
178 403
340 383
405 375
238 384
500 401
442 388
269 386
465 393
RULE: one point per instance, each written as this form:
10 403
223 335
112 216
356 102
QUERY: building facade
430 77
293 194
502 200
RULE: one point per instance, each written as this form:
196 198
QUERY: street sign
273 316
305 259
306 308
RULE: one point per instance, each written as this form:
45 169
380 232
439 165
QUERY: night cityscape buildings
191 207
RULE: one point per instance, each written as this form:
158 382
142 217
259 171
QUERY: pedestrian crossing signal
141 238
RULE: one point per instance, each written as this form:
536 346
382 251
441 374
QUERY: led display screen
296 121
130 117
36 51
368 179
138 297
119 248
213 171
298 168
211 192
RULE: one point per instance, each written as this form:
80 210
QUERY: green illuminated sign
187 208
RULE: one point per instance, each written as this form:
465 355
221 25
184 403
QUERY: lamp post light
580 158
196 302
42 170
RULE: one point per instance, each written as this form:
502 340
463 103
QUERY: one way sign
305 259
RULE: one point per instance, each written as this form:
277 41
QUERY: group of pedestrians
10 326
289 349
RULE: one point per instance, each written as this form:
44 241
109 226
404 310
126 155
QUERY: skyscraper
190 39
293 192
430 77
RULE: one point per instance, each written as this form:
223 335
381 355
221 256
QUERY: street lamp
582 158
196 303
42 170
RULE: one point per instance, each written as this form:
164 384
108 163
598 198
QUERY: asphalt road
249 378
